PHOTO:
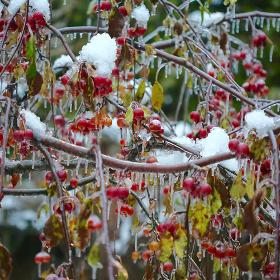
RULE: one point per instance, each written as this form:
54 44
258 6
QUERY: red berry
202 133
65 79
166 190
28 134
265 167
59 121
18 135
123 11
74 182
168 266
135 187
243 150
42 257
48 176
189 184
105 6
138 114
39 19
233 144
195 116
62 175
204 190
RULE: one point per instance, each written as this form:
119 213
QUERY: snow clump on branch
42 6
258 120
34 123
141 14
63 62
217 143
101 51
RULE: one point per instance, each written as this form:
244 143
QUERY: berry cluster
196 189
117 192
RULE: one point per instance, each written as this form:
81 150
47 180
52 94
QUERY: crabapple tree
197 192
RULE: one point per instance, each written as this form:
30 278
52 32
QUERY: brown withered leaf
116 23
35 84
250 222
53 230
223 42
248 253
125 58
5 263
81 224
221 188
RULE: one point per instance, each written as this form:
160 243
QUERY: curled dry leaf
250 222
5 263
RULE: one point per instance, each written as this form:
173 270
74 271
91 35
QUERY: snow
33 122
209 19
217 143
42 6
64 61
15 5
1 6
259 121
141 14
101 51
170 157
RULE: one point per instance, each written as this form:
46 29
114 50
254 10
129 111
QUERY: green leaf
180 243
129 115
140 91
166 248
157 96
31 49
238 189
93 256
216 202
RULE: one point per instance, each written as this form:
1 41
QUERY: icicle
93 272
261 49
271 53
237 25
254 21
86 167
39 270
55 42
232 26
29 177
246 25
166 71
33 158
78 166
68 159
177 71
135 242
64 2
268 24
81 35
119 214
258 175
278 25
45 103
108 209
75 35
154 7
273 22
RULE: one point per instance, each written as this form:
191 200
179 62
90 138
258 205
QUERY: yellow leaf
238 189
129 115
140 91
180 243
157 96
250 185
166 248
167 203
